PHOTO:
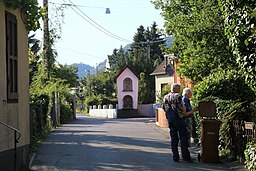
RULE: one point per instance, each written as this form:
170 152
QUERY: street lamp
107 11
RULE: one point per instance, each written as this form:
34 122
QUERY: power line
95 24
125 40
66 4
85 6
82 53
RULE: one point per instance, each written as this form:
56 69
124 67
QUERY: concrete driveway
113 144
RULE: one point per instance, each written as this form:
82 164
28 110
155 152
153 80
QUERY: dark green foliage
239 19
68 74
226 85
34 57
40 122
250 156
66 111
31 9
39 108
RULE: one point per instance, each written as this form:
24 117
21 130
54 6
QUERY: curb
31 160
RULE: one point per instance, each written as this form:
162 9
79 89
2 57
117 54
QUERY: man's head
187 93
175 88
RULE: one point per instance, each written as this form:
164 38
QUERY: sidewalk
113 144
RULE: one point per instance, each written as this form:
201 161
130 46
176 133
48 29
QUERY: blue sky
82 42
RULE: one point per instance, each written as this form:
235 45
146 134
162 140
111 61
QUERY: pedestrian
175 114
190 120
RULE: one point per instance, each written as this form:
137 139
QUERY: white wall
16 115
162 79
144 110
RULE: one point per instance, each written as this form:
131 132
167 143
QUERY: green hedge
250 156
40 121
234 101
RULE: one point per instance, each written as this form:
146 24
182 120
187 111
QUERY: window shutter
11 57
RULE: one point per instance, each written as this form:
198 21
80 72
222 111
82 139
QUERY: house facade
165 74
14 94
162 78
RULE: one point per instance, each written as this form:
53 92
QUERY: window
163 86
127 84
11 57
127 102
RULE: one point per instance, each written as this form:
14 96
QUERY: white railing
103 111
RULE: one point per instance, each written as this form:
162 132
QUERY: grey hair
174 86
185 91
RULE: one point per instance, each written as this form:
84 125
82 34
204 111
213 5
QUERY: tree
68 74
118 60
34 48
199 40
239 19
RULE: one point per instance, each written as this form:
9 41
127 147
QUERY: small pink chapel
127 93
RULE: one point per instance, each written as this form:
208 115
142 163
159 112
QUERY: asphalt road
113 144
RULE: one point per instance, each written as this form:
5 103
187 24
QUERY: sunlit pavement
114 144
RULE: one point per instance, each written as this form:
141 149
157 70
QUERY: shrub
250 156
234 101
226 85
66 113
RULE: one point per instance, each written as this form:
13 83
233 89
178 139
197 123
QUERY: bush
66 113
250 156
226 85
234 101
40 124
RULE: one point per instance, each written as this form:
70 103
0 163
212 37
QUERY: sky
89 35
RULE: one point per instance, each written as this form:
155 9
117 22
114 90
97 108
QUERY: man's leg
184 141
174 142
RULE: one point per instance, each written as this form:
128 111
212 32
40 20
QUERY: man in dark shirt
175 114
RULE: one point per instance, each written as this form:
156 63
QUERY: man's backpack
170 102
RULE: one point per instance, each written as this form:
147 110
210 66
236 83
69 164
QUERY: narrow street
112 144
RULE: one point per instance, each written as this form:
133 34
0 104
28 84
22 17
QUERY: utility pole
89 86
55 118
46 33
96 69
148 50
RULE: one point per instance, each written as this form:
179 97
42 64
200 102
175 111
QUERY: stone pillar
110 106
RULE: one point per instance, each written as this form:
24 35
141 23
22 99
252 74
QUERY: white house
164 74
127 89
